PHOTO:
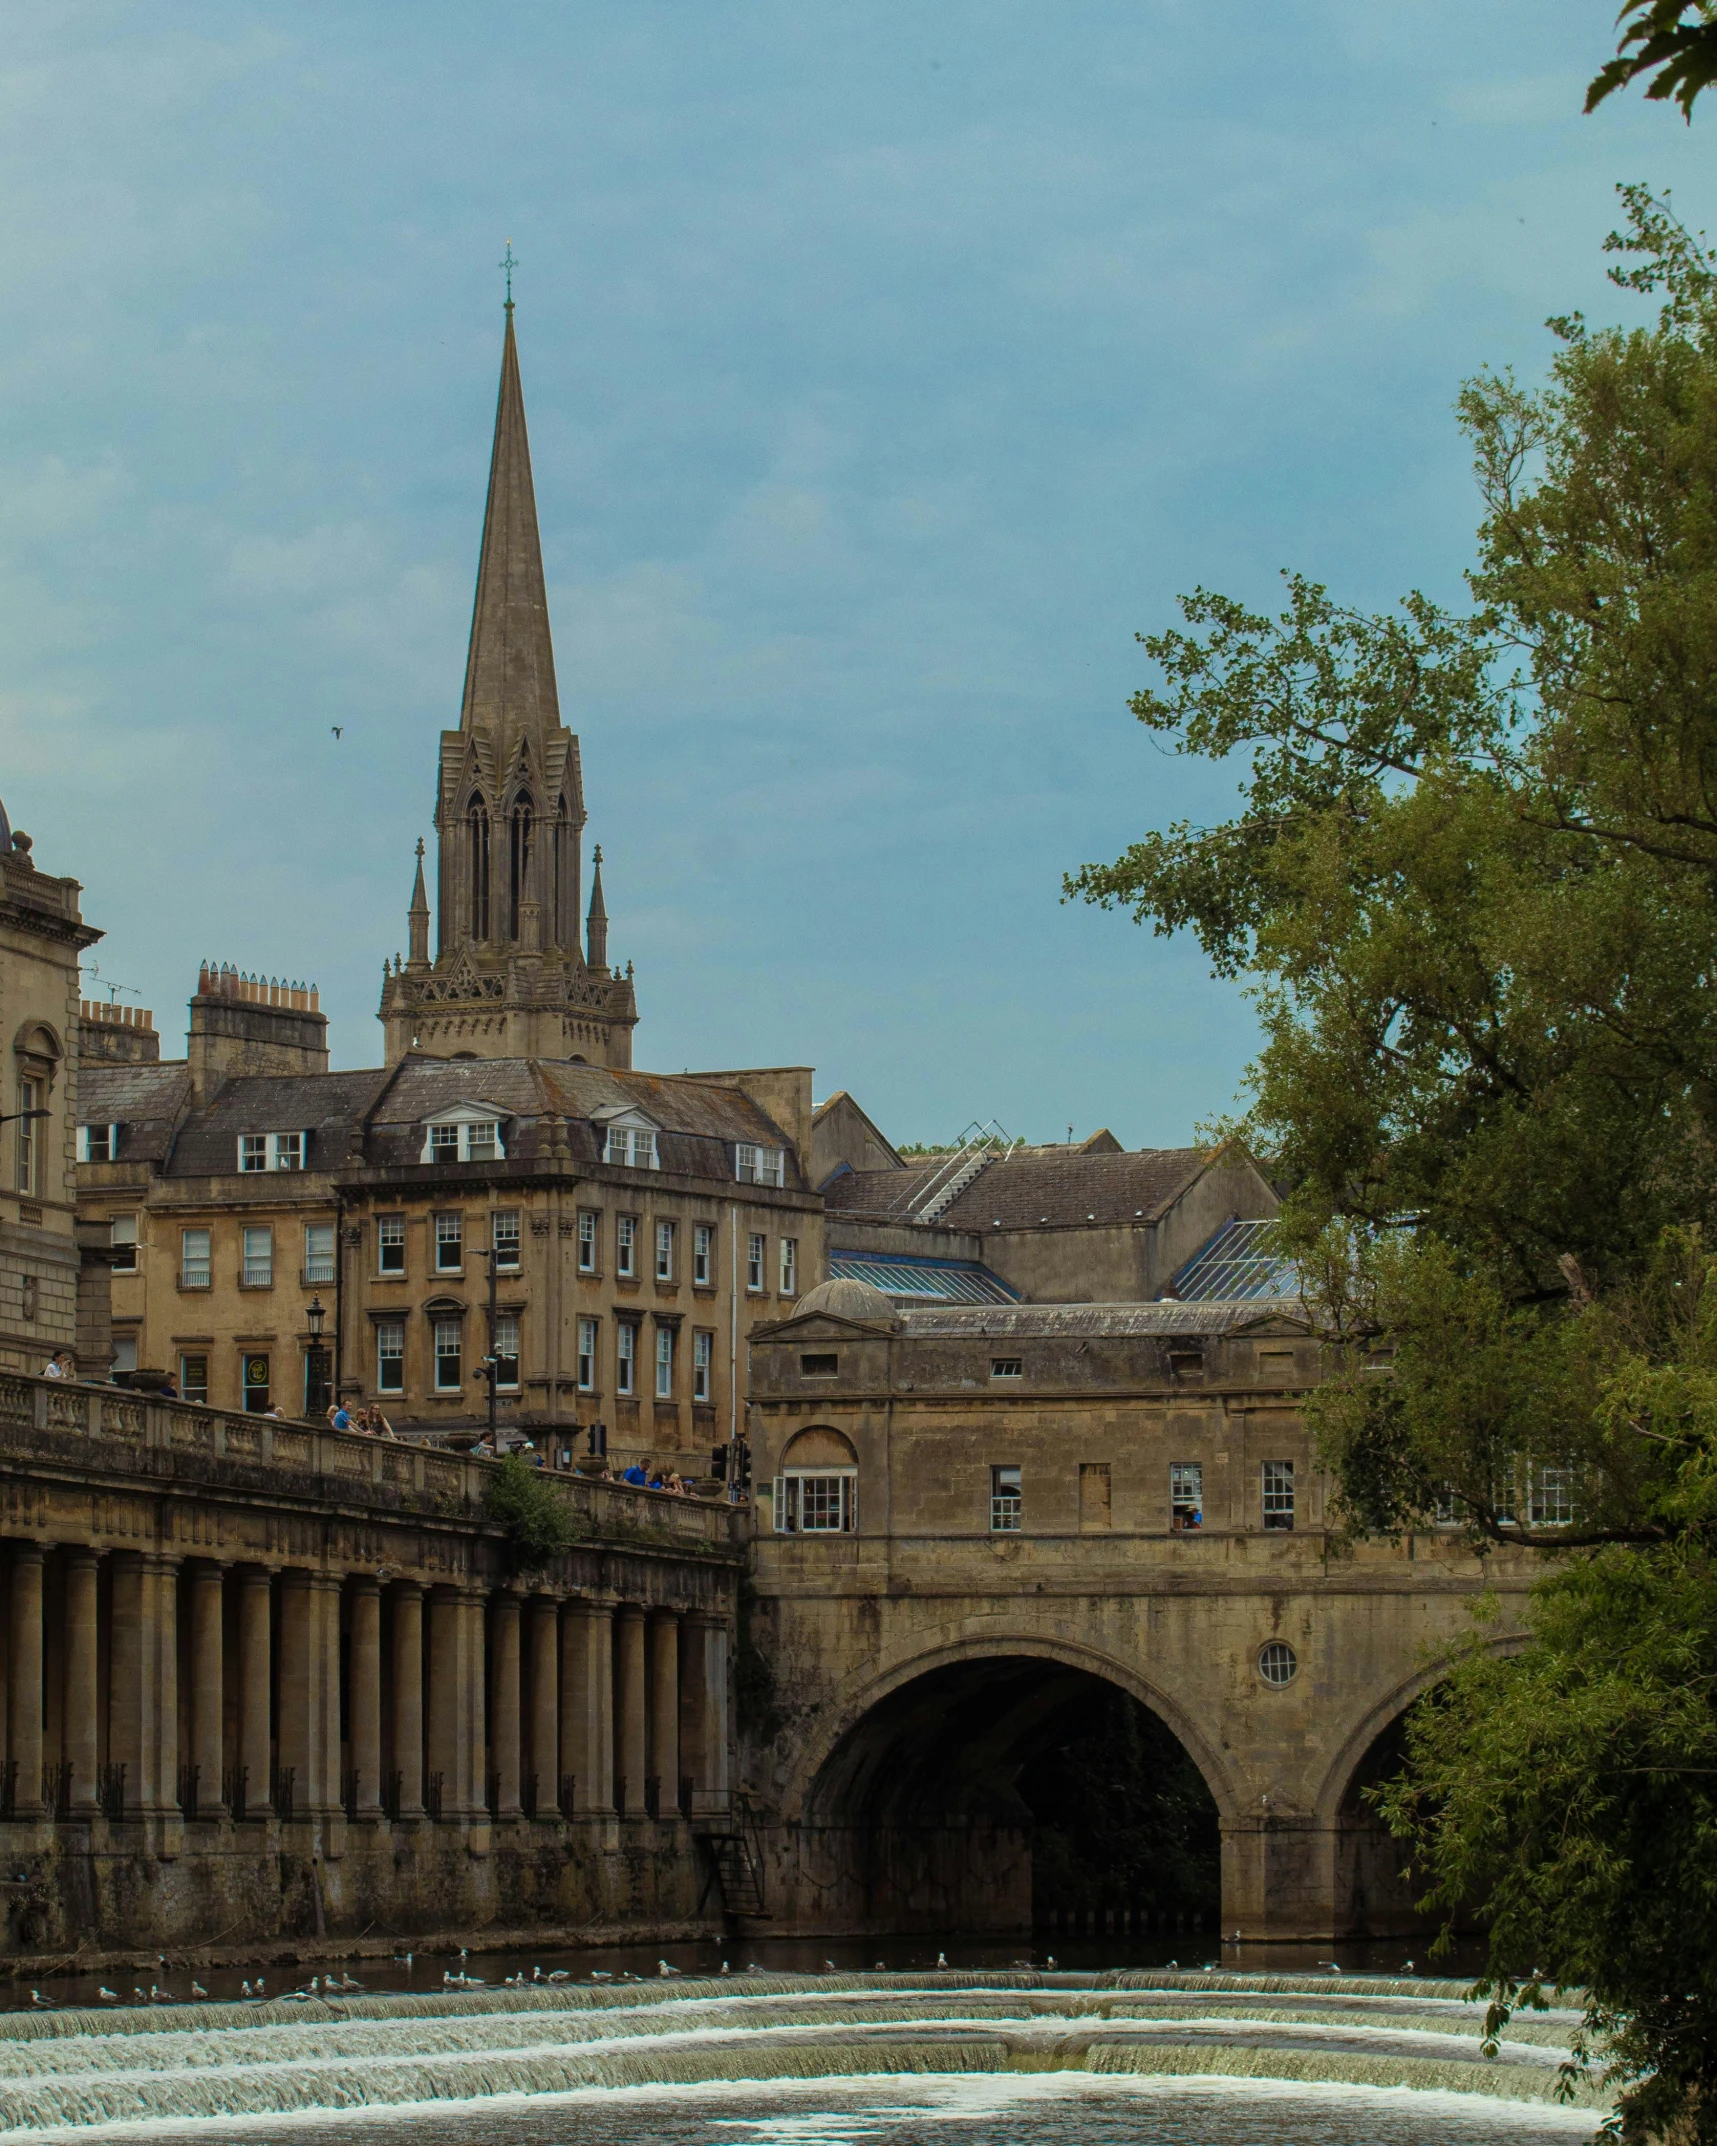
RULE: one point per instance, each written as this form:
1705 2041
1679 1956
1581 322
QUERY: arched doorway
1002 1793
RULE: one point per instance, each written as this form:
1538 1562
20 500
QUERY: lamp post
314 1315
486 1370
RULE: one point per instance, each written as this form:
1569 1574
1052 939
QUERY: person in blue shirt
340 1417
635 1474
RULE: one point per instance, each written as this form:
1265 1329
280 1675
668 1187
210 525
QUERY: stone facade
51 1296
877 1620
263 1680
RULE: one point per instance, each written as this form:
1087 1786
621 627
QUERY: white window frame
499 1239
625 1356
631 1147
196 1273
756 1262
589 1346
589 1225
505 1321
390 1330
667 1244
440 1326
444 1238
109 1141
470 1132
1007 1500
789 1265
319 1267
122 1235
256 1272
386 1241
1186 1494
703 1364
189 1390
626 1247
703 1255
665 1354
830 1508
1276 1491
760 1165
32 1096
272 1151
1550 1496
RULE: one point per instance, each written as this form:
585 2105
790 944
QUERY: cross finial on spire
509 261
420 845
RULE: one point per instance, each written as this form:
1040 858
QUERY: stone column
703 1710
126 1678
24 1678
665 1709
364 1695
544 1697
473 1712
630 1706
207 1686
255 1671
161 1646
443 1698
82 1745
504 1699
408 1698
587 1703
297 1690
325 1591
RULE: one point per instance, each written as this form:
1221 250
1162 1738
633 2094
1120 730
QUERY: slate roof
700 1120
1053 1188
144 1101
325 1105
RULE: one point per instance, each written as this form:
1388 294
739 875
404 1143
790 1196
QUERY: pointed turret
417 916
596 927
509 671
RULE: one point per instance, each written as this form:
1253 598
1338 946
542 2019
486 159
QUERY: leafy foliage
1471 886
539 1522
1676 38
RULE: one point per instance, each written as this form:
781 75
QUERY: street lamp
314 1315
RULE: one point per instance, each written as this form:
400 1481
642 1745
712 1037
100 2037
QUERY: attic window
632 1146
272 1151
1007 1367
1186 1363
98 1143
465 1138
759 1166
820 1366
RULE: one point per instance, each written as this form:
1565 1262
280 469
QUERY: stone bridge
970 1520
263 1678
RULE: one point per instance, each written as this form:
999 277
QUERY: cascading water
889 2054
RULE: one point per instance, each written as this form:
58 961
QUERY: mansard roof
328 1106
145 1101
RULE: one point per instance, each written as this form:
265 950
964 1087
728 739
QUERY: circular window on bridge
1278 1664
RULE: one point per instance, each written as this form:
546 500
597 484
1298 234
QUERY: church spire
509 672
596 927
417 916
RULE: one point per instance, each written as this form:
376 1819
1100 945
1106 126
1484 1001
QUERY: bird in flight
335 728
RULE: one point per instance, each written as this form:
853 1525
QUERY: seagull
350 1982
559 1974
1050 1962
197 1989
1406 1967
259 1985
829 1967
882 1967
138 1994
245 1989
108 1996
726 1970
43 2004
335 728
602 1974
1174 1963
662 1968
941 1959
402 1959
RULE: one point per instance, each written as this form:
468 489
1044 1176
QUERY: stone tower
509 978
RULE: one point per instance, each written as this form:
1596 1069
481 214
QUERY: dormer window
98 1143
632 1146
760 1166
468 1133
272 1151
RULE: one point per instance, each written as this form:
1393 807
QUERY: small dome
844 1298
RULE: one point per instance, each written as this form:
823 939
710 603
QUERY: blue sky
888 367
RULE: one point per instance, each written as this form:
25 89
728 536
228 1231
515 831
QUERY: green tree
1470 885
538 1521
1672 41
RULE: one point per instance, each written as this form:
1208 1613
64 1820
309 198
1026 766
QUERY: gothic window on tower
477 824
518 863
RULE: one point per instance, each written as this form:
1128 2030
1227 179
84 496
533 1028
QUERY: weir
266 1679
88 2069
